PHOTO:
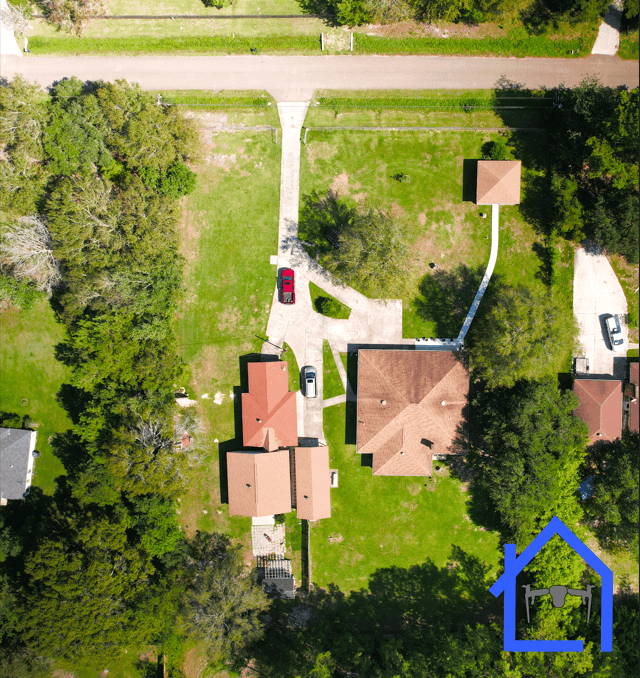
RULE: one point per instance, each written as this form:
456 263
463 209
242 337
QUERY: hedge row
530 46
364 44
148 45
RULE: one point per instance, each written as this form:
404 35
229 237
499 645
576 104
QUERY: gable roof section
600 407
258 483
15 447
269 417
313 501
498 182
401 418
633 406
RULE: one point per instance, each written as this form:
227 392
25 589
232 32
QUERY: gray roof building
16 462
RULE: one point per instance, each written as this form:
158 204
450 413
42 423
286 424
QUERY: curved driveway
295 78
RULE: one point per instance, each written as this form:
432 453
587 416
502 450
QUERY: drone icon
558 596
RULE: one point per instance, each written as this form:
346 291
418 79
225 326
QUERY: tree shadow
322 9
446 297
73 400
535 206
397 601
322 218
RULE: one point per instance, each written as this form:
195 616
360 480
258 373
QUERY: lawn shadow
73 401
469 180
446 297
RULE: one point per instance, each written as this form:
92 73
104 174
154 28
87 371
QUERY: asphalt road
295 78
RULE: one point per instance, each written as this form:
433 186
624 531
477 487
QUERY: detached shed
498 182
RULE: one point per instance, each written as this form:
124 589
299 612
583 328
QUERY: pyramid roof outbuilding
498 182
600 407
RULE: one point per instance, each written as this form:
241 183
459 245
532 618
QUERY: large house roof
269 417
498 182
633 406
16 446
312 483
410 407
600 407
258 483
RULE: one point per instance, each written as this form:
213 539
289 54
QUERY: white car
614 333
309 378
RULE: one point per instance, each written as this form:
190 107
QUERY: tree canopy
520 333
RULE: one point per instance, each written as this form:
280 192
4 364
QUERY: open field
29 370
229 284
379 522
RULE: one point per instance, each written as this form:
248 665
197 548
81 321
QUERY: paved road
596 294
295 78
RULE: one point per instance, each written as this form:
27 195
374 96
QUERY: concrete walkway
596 294
608 39
456 344
372 321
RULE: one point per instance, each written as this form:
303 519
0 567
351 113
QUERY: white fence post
352 42
322 41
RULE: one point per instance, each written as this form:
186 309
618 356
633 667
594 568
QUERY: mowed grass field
228 232
436 208
379 522
29 370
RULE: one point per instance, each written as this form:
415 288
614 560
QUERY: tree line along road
295 78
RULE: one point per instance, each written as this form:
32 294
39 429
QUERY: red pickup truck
287 278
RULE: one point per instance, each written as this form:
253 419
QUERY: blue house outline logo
507 584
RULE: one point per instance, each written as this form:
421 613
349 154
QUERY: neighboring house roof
258 483
633 406
600 407
410 407
16 446
312 483
269 417
498 182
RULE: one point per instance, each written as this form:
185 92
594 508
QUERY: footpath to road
295 78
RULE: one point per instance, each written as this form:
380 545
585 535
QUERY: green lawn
379 522
292 368
629 45
442 223
29 370
332 384
228 232
629 280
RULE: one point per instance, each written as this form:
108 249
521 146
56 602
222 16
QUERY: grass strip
629 45
329 306
531 46
149 45
292 367
332 385
465 103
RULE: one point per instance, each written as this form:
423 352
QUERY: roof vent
383 402
599 434
248 485
443 402
402 453
259 421
283 367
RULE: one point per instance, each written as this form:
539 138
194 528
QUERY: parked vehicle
614 332
309 377
288 286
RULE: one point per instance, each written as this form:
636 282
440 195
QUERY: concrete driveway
596 294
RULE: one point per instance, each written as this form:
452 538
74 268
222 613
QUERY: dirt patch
422 219
207 118
355 558
320 150
228 319
397 211
415 489
222 160
341 185
335 539
195 662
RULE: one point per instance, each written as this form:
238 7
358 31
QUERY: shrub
495 150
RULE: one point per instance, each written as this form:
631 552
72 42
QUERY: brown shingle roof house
600 407
258 483
269 417
410 405
312 483
633 404
498 182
